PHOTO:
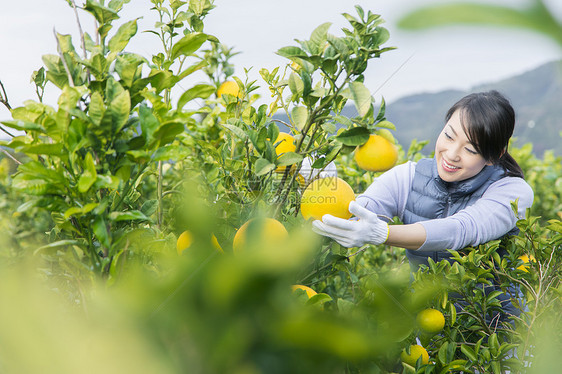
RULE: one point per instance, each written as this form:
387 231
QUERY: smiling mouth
449 167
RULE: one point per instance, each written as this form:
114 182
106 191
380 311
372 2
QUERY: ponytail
511 167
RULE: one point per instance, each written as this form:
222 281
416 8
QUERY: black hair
488 119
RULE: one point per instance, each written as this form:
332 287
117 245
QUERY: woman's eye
471 151
448 136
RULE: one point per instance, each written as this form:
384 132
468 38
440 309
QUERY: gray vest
431 197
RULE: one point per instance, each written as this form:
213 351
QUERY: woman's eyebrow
452 129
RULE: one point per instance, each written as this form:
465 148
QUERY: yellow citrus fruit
216 244
184 241
377 154
287 144
431 320
309 291
230 88
330 195
525 259
415 352
270 230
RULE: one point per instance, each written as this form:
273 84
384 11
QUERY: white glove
353 233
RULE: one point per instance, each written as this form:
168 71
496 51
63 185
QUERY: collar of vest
467 186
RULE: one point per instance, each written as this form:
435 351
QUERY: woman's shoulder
514 187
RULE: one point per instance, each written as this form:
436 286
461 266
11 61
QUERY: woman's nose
453 153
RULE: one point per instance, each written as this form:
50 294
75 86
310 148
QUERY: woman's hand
367 229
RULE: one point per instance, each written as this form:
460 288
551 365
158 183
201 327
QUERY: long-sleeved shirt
489 218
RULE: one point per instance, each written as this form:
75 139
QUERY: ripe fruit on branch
430 320
229 88
377 154
286 144
330 195
309 291
525 259
186 239
268 229
415 352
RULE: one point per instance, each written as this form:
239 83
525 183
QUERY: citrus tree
95 161
203 212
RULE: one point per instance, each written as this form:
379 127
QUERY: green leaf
127 66
59 243
202 91
386 125
167 132
188 44
263 166
96 109
52 149
89 175
289 158
354 137
171 152
536 17
468 352
319 298
299 116
78 211
120 40
237 131
319 37
290 52
101 232
149 207
102 14
148 122
296 85
23 125
191 69
361 97
443 353
119 109
131 215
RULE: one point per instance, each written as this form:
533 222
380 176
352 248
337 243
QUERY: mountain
536 96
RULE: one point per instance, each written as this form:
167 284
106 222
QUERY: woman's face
456 157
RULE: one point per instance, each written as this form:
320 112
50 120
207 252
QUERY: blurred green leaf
536 17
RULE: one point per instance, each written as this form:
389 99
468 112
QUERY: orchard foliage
109 177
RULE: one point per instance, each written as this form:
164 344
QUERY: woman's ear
504 151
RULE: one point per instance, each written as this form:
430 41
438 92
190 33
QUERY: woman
461 197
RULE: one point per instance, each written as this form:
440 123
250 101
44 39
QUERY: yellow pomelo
330 195
230 88
415 352
525 259
270 230
216 244
309 291
286 144
184 241
377 154
431 320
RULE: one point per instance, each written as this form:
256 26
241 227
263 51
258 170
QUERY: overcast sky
455 57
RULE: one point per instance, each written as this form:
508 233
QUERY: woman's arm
489 218
410 236
388 194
